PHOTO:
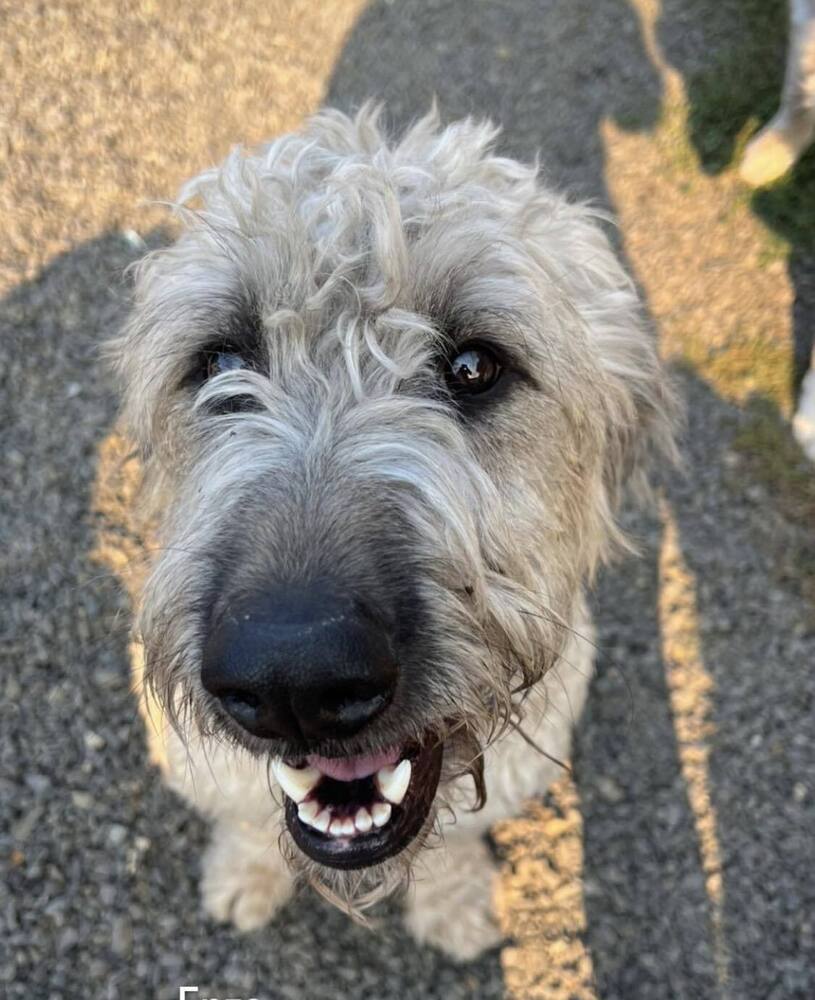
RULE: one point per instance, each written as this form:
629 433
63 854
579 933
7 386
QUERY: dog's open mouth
353 812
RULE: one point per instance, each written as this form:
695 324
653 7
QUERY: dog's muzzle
305 666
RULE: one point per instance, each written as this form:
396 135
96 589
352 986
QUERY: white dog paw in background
778 146
803 423
776 149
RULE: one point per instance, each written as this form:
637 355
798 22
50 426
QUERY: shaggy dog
387 396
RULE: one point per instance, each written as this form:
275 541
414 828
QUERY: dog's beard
354 891
461 787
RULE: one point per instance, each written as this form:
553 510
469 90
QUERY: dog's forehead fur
335 222
344 260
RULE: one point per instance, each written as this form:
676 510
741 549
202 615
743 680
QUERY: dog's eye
218 362
474 369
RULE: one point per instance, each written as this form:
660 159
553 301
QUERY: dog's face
387 397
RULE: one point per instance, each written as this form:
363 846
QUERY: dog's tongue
351 768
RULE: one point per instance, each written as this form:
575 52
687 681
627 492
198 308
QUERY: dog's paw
248 898
241 885
463 933
767 157
803 424
451 904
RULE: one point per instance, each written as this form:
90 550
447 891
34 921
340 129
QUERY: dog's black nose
304 663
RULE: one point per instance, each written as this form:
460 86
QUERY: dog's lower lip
406 821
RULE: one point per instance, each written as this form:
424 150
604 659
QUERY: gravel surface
678 862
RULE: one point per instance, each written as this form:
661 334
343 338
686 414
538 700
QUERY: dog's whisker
538 748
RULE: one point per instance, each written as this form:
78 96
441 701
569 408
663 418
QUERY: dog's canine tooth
381 813
295 782
307 811
393 782
362 820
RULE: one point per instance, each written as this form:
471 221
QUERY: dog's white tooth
393 781
381 813
322 821
307 811
348 827
336 827
362 820
296 782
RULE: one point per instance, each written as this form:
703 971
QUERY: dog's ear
148 353
640 410
643 427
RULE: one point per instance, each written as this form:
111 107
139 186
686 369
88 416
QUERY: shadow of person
731 55
548 72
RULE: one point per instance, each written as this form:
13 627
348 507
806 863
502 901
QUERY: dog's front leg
244 878
450 904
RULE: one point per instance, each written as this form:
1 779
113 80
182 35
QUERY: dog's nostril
244 707
346 707
356 713
240 699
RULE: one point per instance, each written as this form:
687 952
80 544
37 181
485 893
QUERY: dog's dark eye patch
219 358
478 374
219 362
483 354
473 369
237 344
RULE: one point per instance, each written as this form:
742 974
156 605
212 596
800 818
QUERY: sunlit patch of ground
691 690
147 94
541 902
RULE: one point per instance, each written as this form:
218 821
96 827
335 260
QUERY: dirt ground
678 860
